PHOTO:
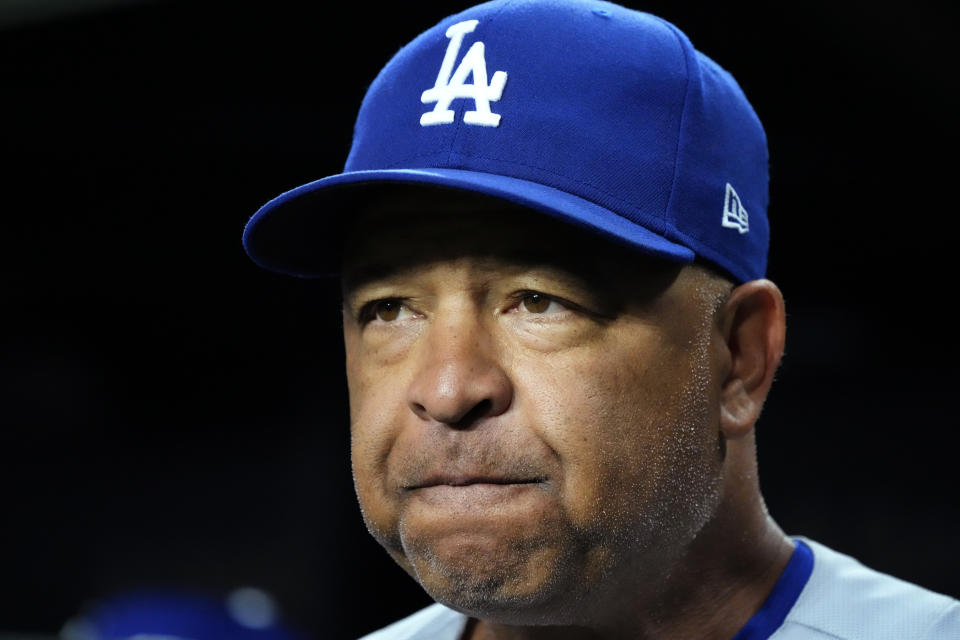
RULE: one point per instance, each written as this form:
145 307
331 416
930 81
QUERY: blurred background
173 417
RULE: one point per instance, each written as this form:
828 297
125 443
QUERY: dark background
171 415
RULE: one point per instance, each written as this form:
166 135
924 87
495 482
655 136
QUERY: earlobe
754 327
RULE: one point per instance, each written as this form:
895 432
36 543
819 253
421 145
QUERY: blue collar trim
784 595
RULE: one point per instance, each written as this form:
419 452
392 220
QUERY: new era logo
452 85
734 215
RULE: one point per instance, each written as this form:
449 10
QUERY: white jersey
844 600
839 599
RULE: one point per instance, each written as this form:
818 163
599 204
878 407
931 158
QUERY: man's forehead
411 227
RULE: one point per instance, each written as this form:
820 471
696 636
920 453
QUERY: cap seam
459 121
669 226
671 232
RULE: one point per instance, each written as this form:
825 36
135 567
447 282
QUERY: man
552 236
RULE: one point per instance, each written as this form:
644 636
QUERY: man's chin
499 603
521 588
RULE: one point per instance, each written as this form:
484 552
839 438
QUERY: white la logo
448 89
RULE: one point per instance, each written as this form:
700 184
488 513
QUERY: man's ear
753 322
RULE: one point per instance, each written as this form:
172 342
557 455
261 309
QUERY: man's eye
539 303
386 310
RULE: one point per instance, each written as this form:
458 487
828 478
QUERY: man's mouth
469 480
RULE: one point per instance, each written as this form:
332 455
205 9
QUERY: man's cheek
605 429
375 411
377 503
372 439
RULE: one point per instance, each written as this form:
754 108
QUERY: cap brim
299 232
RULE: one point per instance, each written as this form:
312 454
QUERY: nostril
478 411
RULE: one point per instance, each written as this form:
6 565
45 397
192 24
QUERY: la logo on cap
447 88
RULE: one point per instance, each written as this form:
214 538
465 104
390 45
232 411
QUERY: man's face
534 410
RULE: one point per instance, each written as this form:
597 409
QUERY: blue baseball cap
592 113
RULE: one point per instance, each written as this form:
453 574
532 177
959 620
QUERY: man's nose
460 379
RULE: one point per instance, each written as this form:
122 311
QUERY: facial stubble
547 581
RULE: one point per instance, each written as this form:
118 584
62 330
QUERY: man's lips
468 480
479 495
